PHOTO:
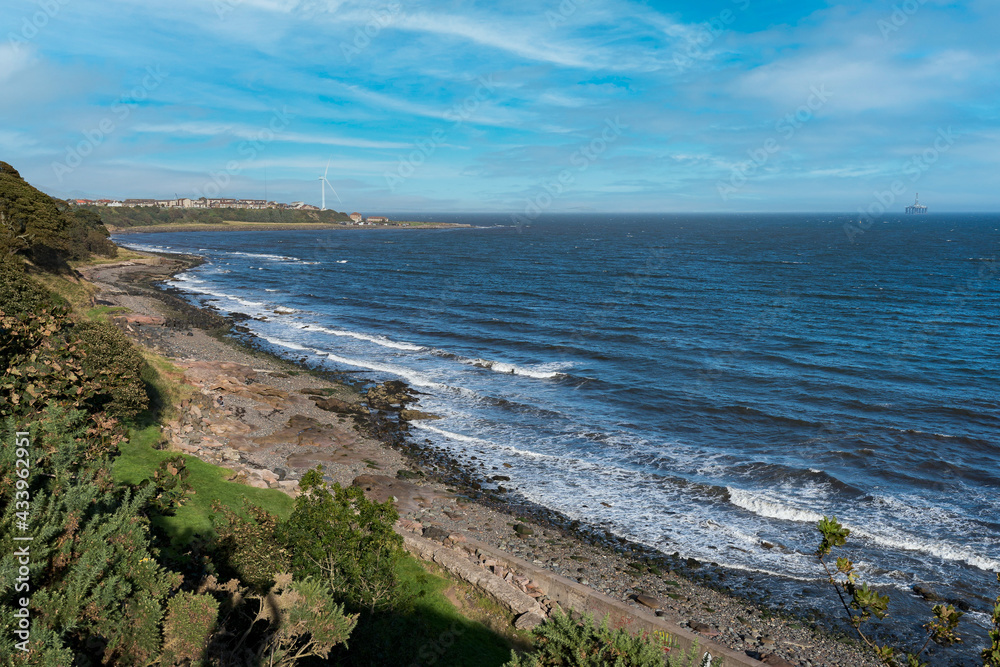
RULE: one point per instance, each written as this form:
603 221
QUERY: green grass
103 313
138 461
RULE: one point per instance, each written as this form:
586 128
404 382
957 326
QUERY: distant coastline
231 226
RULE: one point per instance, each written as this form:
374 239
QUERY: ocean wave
770 509
260 255
887 538
195 289
378 340
540 373
411 376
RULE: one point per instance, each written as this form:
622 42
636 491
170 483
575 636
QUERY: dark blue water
701 384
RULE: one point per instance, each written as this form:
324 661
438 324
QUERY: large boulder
389 395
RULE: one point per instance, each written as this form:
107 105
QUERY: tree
861 602
341 538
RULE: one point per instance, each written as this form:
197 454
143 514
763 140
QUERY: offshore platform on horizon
917 208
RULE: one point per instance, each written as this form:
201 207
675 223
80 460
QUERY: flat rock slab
302 431
409 497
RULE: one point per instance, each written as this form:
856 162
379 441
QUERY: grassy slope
433 630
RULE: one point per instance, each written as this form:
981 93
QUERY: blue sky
516 107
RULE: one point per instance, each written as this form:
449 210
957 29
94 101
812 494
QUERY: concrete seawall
571 595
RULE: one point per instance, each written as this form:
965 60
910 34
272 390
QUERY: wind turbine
322 186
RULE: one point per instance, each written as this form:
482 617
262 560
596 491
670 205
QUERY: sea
711 385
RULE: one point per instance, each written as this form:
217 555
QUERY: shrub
19 294
291 621
93 571
170 481
249 546
191 620
338 536
112 358
564 641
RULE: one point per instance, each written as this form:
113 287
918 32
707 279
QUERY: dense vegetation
43 230
131 563
126 216
113 573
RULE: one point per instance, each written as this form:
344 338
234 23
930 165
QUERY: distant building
251 203
357 217
377 220
139 202
917 208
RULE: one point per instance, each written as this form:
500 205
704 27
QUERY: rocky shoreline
270 420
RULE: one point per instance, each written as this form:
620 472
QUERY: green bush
93 570
250 546
19 294
87 234
563 641
112 358
340 537
191 620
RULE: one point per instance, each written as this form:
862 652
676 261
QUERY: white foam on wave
540 373
187 278
195 288
411 376
485 444
145 247
769 508
378 340
285 310
260 255
886 537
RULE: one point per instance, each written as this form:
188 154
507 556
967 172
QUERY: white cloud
252 133
13 59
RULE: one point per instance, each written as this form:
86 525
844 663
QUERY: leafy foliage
87 234
191 621
861 603
991 654
340 537
170 481
45 230
92 568
292 621
110 356
31 223
563 641
250 546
